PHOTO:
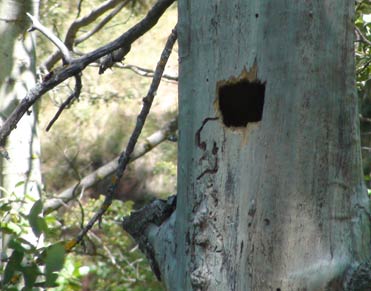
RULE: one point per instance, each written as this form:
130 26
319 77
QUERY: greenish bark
278 204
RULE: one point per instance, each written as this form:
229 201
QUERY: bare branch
109 60
125 156
101 24
51 36
79 5
78 24
90 180
75 95
137 223
364 119
79 64
88 19
145 72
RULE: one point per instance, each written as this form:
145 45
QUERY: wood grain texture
281 204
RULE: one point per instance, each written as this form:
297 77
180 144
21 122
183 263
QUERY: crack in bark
203 146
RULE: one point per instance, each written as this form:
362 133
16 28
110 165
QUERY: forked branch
36 25
79 64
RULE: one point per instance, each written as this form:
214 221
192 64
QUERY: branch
362 36
357 277
145 72
125 156
76 25
91 179
79 64
116 56
50 35
101 24
150 216
88 19
75 95
364 119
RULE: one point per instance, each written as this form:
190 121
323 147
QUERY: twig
79 5
75 26
362 36
75 95
101 24
80 64
88 19
145 72
364 119
364 67
91 179
51 36
125 156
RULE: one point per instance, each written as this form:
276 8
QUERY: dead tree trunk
270 186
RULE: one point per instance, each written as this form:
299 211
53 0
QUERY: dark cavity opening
241 102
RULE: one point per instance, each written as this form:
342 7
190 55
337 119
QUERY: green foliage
363 78
35 219
54 261
93 131
30 264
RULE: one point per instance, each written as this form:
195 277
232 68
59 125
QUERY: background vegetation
92 132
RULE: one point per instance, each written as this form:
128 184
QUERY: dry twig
36 25
75 95
125 156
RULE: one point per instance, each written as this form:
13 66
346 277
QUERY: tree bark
270 186
17 76
278 204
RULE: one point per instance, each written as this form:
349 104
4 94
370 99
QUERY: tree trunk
270 185
17 76
271 193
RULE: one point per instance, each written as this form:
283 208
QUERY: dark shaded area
241 103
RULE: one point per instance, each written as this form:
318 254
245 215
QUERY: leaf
6 230
69 245
30 274
20 183
15 245
13 227
36 209
5 207
37 223
13 265
54 262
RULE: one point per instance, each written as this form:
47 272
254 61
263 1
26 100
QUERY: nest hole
241 102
